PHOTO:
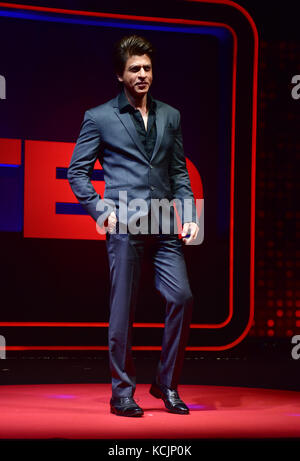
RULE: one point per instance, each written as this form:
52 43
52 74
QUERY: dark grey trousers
125 252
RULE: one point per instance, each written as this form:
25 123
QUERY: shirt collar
124 104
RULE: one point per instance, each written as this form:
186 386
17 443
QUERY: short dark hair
131 45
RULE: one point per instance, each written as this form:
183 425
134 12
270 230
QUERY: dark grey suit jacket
110 136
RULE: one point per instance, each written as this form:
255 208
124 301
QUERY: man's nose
142 73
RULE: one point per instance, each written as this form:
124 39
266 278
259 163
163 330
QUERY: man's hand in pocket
111 223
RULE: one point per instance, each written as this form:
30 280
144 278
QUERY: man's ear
119 78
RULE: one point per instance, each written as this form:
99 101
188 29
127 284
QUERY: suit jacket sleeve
81 168
180 180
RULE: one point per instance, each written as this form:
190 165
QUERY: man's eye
136 69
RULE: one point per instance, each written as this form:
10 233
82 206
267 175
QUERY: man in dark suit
138 141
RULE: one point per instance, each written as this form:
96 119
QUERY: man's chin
138 92
141 91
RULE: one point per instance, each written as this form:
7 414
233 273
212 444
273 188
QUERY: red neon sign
43 190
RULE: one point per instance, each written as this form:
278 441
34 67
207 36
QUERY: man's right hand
111 222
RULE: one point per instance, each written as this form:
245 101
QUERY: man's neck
138 103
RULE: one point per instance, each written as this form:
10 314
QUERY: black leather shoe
125 406
172 401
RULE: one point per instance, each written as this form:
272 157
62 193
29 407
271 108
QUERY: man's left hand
191 229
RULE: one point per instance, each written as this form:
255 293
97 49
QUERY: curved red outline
254 121
253 169
190 22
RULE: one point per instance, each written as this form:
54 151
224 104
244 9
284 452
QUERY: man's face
137 76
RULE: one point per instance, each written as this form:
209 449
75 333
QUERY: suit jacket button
151 166
152 187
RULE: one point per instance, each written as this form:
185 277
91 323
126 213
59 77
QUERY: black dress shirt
147 137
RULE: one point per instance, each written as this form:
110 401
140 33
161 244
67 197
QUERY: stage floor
81 411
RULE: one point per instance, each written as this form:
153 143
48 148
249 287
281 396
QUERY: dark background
61 280
263 358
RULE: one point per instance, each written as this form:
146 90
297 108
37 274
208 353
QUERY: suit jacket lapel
126 120
160 125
